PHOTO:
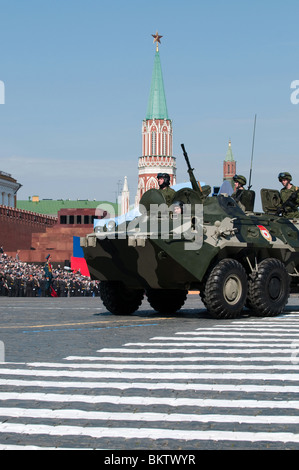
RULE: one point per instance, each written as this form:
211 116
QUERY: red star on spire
157 39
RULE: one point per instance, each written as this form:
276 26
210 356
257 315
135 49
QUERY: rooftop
52 206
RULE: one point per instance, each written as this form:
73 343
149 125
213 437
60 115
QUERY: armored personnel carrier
234 257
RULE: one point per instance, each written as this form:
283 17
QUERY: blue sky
77 79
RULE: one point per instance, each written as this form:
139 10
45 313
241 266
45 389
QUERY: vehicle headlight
98 229
111 226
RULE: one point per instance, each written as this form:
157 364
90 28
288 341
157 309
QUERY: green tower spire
157 107
229 156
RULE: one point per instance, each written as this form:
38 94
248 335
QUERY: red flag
53 293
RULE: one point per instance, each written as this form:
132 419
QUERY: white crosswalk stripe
232 382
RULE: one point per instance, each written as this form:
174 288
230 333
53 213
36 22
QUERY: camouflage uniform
168 194
288 209
237 194
285 194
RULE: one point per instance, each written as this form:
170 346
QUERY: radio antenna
249 184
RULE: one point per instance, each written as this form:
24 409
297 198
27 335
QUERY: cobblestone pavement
75 376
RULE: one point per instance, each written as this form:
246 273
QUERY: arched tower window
164 144
154 143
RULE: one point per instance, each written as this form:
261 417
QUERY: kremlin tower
157 156
156 135
229 165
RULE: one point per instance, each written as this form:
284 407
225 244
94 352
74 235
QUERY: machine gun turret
202 192
195 184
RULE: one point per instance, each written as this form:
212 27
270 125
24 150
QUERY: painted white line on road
150 376
246 327
154 366
235 334
211 343
152 386
148 433
223 341
145 417
146 401
215 350
241 359
20 447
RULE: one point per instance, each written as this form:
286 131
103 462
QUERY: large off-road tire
225 290
166 300
269 288
118 299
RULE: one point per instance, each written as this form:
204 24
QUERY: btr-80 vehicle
234 257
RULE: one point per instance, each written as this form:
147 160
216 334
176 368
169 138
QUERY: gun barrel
195 185
186 157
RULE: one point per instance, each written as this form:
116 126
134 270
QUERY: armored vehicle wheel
269 288
118 299
224 293
166 300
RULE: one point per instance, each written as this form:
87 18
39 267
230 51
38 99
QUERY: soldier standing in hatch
164 187
289 197
240 182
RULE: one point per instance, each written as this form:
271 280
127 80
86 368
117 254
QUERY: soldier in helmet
239 181
164 187
289 197
178 207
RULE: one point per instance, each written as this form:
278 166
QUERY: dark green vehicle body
235 258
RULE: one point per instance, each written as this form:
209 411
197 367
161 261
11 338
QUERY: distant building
229 165
125 198
53 206
18 226
8 190
39 226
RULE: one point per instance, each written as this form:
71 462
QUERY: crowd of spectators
19 279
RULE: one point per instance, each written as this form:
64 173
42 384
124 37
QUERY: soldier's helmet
178 205
285 175
166 178
240 179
